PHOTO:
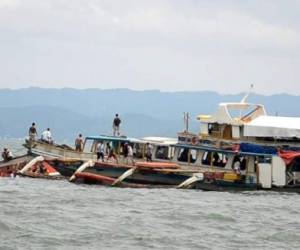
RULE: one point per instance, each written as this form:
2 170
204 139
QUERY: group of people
45 136
101 150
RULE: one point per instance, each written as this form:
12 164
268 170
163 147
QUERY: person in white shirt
149 149
46 136
100 151
7 154
130 154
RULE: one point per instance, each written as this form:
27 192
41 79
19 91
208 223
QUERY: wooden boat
244 133
224 140
40 169
89 178
162 149
162 174
9 168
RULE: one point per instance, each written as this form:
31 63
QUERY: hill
90 111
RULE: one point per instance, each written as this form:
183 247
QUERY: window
295 166
162 152
219 159
89 146
206 159
193 155
183 155
138 150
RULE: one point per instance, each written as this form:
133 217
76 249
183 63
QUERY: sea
55 214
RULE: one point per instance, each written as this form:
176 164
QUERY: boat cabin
161 146
227 122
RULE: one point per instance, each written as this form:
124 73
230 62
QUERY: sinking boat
143 173
10 168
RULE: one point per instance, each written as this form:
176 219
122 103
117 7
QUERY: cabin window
183 155
162 152
193 155
206 159
214 129
89 146
138 150
263 159
240 161
295 166
215 159
171 152
219 159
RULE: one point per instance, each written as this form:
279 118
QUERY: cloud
163 44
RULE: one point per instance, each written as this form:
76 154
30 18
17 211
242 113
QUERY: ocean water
56 214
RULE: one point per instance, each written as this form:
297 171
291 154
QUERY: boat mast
186 118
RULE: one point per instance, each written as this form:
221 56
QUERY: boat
225 140
243 132
10 168
146 173
39 168
160 144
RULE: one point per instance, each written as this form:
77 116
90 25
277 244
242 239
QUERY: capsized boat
10 168
39 167
157 174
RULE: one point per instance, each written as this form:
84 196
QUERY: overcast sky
169 45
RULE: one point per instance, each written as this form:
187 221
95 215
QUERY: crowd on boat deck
45 136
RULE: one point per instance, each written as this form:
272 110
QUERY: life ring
195 140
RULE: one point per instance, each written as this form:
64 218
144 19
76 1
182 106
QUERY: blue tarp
253 148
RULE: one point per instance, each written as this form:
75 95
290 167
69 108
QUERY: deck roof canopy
273 126
112 138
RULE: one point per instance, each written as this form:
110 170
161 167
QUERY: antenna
247 95
186 118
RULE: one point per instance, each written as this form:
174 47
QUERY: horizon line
144 90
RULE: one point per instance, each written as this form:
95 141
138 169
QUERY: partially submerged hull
8 168
89 178
56 151
140 175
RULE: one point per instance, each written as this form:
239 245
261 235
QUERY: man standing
100 151
148 151
116 125
79 143
32 132
130 154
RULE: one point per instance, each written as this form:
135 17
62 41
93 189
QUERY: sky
170 45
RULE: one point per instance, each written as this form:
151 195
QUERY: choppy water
46 214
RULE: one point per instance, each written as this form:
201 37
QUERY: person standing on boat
237 164
149 149
7 154
32 132
130 154
116 125
46 136
79 143
100 151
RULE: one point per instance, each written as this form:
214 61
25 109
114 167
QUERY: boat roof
113 138
160 140
273 126
223 114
